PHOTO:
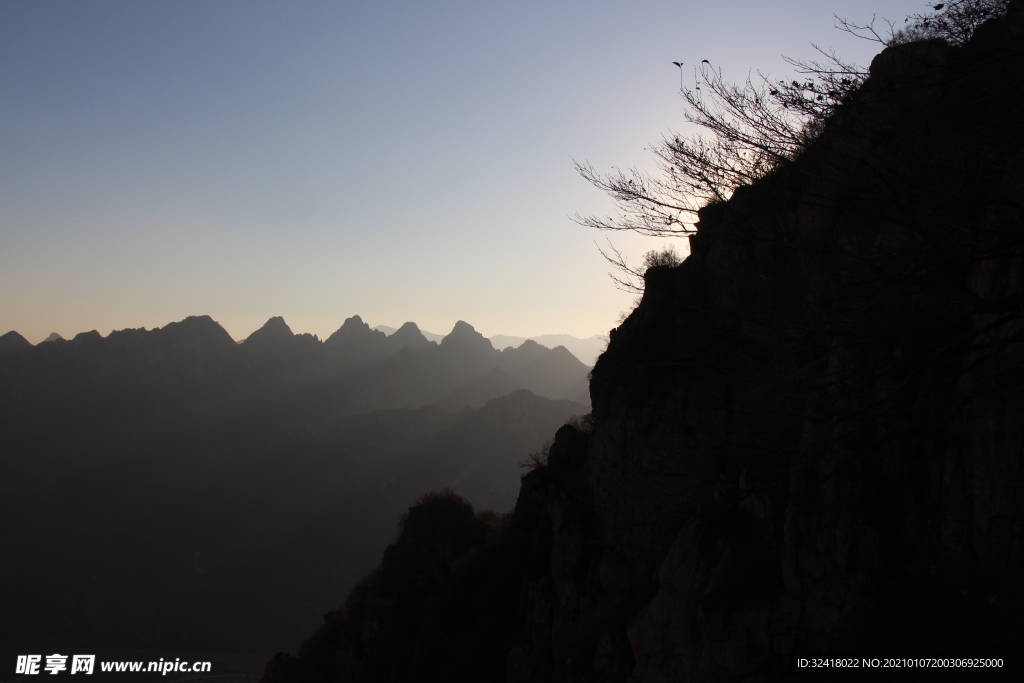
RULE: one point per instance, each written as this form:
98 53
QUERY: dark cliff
806 440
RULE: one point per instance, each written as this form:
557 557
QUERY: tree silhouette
754 128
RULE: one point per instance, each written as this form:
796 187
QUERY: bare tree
752 133
954 22
754 128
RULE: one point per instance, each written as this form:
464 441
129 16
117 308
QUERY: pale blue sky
315 160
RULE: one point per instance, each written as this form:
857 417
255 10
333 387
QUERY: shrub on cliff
952 21
631 279
433 533
428 613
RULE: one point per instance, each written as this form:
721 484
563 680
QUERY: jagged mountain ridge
197 352
806 439
586 350
161 479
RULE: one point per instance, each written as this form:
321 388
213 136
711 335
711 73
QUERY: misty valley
174 488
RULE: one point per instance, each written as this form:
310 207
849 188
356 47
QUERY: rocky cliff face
806 440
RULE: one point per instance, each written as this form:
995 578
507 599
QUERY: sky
316 160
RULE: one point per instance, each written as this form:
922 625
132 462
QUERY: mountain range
587 350
172 487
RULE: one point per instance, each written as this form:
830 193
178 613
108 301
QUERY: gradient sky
397 160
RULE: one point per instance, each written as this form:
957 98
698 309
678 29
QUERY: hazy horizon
387 329
320 160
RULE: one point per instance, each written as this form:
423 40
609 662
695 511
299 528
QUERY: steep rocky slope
806 440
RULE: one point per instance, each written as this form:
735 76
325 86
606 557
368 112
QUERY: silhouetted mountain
429 336
465 359
556 373
514 359
354 344
497 382
13 343
53 336
354 330
275 343
586 350
275 332
408 336
389 458
162 483
806 439
465 338
467 348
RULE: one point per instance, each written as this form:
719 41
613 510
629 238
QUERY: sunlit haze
316 160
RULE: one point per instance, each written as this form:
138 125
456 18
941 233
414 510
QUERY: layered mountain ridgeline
171 488
806 440
357 366
587 350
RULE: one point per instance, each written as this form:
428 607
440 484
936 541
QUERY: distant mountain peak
429 336
465 334
273 331
53 337
195 330
353 328
12 342
408 326
409 335
586 350
196 322
276 323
